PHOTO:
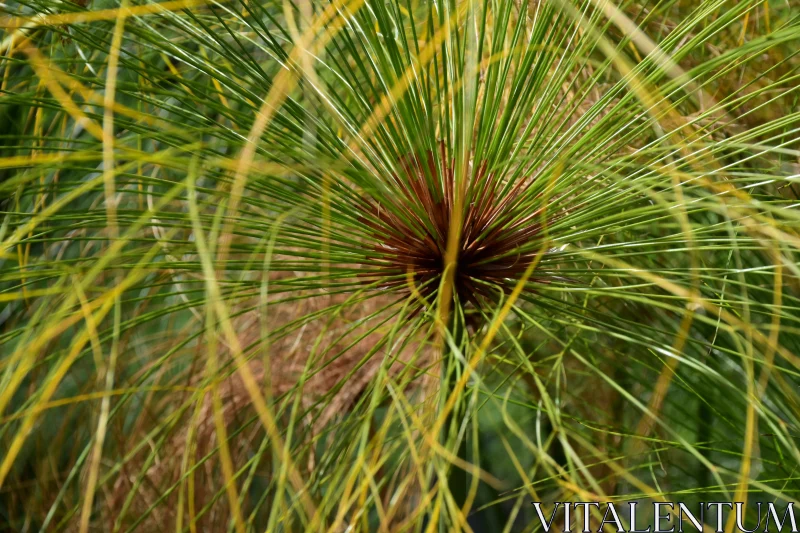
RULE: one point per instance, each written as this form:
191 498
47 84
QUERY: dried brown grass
326 364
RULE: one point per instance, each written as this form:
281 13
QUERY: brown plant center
409 231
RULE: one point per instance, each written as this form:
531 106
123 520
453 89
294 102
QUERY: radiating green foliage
212 316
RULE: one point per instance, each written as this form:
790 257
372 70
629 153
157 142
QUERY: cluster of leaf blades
168 170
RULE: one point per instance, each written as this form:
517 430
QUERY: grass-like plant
395 265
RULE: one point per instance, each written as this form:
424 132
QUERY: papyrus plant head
394 265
